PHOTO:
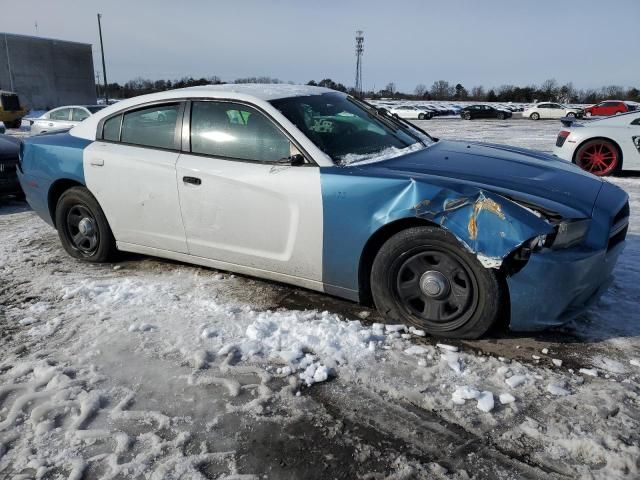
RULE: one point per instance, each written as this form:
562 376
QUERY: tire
421 116
466 116
423 258
83 228
571 115
600 157
500 116
534 116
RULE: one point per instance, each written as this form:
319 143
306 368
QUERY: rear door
58 119
239 205
131 170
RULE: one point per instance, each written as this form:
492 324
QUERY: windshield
348 130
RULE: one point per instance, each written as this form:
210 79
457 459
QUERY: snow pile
311 343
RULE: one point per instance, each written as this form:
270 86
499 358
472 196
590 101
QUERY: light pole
104 69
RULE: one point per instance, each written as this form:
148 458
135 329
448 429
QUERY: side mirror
296 159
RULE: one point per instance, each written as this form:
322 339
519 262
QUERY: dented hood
515 172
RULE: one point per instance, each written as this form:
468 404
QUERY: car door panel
136 188
259 215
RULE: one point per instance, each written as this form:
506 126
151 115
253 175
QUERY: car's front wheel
82 226
421 116
424 277
571 115
466 116
535 116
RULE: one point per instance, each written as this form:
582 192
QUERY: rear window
151 127
111 129
10 102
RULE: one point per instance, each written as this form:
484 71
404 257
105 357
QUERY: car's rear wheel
424 277
466 116
82 226
500 116
534 116
600 157
571 115
421 116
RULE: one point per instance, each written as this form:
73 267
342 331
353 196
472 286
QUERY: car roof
260 91
256 93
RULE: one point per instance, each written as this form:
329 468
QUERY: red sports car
608 107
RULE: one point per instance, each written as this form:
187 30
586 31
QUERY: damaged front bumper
556 286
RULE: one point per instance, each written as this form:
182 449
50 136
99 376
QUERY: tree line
549 91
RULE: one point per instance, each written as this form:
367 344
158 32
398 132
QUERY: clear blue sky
491 42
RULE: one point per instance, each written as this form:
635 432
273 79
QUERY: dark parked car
9 149
484 111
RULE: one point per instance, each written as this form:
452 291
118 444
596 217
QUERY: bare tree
420 90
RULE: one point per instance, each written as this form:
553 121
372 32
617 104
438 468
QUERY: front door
131 171
240 205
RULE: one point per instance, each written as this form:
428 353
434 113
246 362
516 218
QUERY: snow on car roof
262 91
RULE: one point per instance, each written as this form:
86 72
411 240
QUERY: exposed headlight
569 233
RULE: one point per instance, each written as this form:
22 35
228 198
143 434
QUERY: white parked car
602 147
551 110
63 118
410 112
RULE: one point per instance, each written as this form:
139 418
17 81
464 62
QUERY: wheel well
55 192
372 247
575 152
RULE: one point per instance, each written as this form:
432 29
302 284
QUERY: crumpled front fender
487 224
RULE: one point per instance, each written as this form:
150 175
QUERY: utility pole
104 69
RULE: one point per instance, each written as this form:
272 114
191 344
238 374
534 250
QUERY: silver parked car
62 118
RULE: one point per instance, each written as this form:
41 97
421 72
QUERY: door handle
192 180
51 124
98 162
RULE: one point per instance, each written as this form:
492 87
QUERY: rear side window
79 115
151 127
111 129
62 114
232 130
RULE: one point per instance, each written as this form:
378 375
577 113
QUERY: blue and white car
312 187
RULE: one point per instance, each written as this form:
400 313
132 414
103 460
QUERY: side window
151 127
636 121
232 130
62 114
111 129
78 115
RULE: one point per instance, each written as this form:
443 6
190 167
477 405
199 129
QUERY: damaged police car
312 187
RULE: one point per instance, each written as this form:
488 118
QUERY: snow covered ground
154 369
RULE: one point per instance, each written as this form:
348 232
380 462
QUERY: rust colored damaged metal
482 203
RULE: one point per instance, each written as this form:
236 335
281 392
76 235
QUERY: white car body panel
150 215
619 129
280 229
